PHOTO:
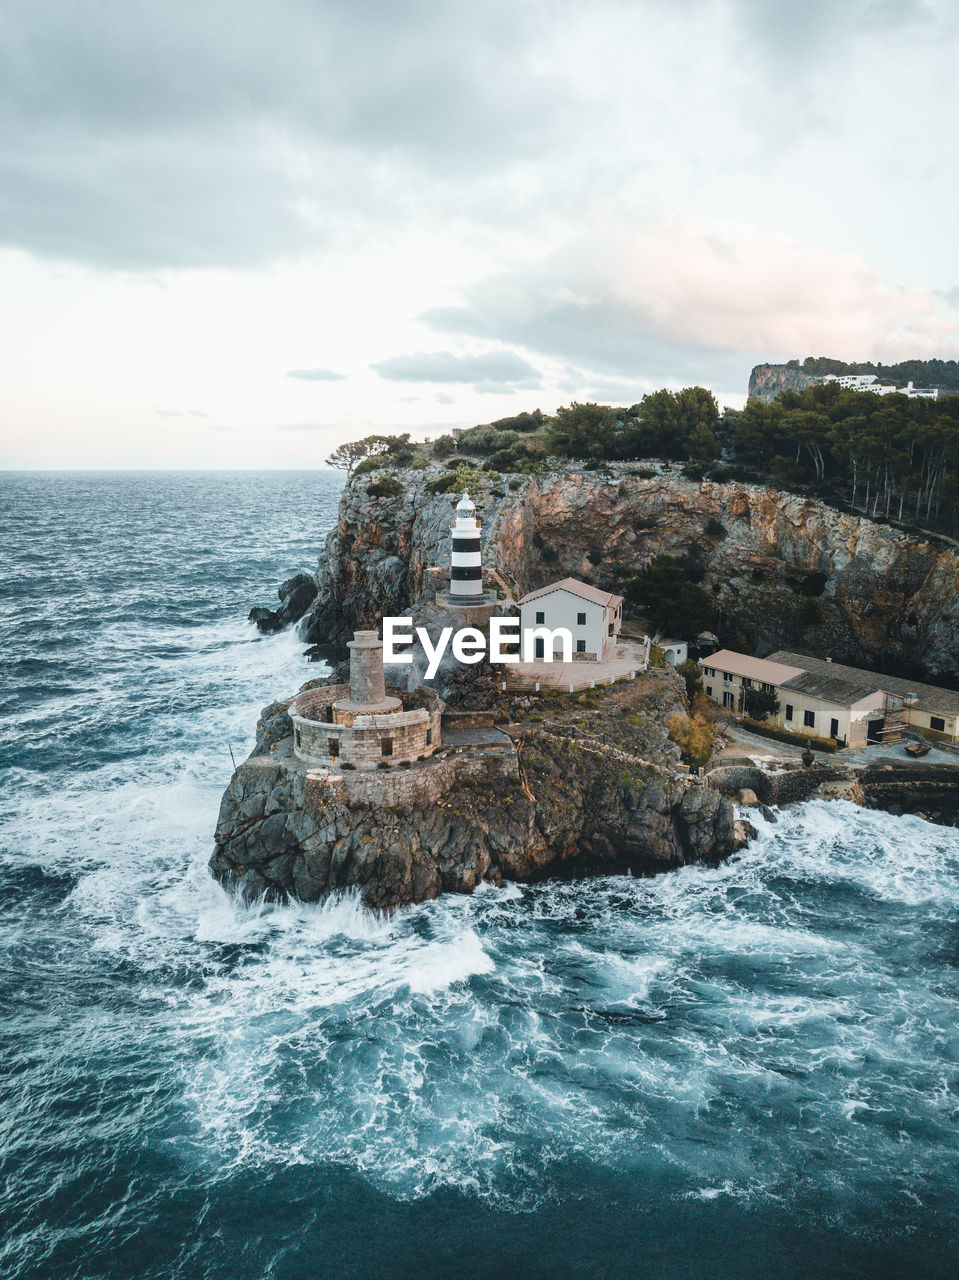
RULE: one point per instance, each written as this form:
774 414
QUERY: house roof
743 664
831 688
929 697
576 588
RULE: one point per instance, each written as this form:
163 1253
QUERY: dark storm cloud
317 375
140 134
492 371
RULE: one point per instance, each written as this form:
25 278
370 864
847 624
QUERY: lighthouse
466 571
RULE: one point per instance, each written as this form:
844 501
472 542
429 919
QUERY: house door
874 730
834 728
540 649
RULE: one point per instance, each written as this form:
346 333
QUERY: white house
591 616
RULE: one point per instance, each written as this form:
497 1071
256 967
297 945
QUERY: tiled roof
576 588
743 664
836 689
929 697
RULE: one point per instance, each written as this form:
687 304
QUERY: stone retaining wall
410 788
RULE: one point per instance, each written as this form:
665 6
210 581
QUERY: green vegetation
694 735
665 592
794 739
761 703
385 487
692 674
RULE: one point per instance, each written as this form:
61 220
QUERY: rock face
887 598
295 596
766 381
592 791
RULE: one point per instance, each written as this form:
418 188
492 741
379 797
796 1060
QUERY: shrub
694 735
693 676
443 446
761 703
643 473
814 584
368 464
714 529
515 484
798 739
385 487
594 557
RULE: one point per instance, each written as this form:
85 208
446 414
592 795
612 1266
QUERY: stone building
361 725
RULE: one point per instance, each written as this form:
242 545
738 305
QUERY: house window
789 711
727 678
297 737
540 616
710 671
937 723
709 691
728 700
767 688
386 746
581 619
747 683
334 746
429 737
809 719
610 632
580 646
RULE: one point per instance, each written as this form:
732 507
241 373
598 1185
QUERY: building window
580 646
709 691
937 723
728 700
386 746
540 616
710 671
334 746
727 678
809 719
429 737
747 683
767 688
297 737
581 619
610 629
789 711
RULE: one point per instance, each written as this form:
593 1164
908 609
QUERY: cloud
317 375
241 131
676 299
306 426
491 371
182 413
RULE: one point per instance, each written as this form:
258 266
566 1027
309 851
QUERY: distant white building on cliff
593 617
870 382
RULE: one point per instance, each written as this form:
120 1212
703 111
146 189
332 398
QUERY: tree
693 676
583 431
345 456
761 703
667 597
702 446
694 736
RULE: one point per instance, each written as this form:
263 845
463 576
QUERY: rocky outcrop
296 595
766 381
593 790
886 598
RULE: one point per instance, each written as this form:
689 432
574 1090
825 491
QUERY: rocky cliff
590 786
886 598
766 381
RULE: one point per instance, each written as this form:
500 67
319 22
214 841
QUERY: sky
237 234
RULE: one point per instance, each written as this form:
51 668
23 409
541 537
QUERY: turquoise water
749 1071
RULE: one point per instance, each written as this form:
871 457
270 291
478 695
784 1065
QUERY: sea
733 1072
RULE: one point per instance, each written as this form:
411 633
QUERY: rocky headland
885 599
584 784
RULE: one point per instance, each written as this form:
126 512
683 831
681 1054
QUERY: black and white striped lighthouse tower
466 594
466 566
